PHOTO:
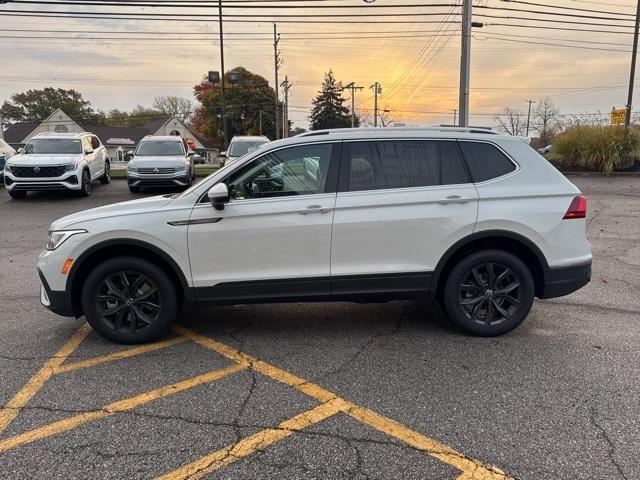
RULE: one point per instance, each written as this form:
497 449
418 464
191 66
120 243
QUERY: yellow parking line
276 373
132 352
470 468
35 383
467 466
255 442
113 408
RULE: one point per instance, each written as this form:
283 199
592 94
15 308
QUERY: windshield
53 146
159 148
242 147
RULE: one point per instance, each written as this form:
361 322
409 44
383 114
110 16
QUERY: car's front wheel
85 185
129 300
489 293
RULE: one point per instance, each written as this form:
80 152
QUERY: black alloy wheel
85 186
129 300
489 292
106 177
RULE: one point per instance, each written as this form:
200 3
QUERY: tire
106 178
18 194
85 184
134 189
136 314
489 293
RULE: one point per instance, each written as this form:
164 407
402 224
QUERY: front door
273 239
400 205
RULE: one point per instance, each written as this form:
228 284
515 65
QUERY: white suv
57 161
478 221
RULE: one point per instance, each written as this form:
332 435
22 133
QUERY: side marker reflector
67 266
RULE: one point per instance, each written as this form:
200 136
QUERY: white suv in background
477 221
57 161
161 161
241 145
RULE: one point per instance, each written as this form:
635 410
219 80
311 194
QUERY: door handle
314 209
454 199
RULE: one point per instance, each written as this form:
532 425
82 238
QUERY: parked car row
73 161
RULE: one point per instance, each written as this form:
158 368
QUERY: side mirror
88 151
218 195
131 152
223 154
20 150
190 153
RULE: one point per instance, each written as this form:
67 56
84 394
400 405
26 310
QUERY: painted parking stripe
112 357
116 407
255 442
35 383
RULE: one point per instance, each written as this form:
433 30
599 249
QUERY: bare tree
546 120
512 120
174 106
386 120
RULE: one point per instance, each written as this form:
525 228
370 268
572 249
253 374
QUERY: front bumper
561 281
57 302
69 181
180 179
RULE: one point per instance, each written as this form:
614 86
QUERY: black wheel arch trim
485 234
187 291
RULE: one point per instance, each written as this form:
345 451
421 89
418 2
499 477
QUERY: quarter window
485 161
95 143
291 171
403 164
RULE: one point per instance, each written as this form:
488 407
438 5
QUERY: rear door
401 204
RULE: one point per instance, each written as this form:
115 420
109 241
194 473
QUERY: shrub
599 148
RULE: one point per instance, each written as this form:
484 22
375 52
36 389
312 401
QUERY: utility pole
377 89
286 86
632 76
353 88
465 63
529 115
224 105
277 62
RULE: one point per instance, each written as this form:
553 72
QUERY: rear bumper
57 302
565 280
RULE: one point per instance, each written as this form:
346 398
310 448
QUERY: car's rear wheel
18 194
85 185
489 293
106 177
129 300
134 189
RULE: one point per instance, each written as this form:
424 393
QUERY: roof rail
58 134
437 128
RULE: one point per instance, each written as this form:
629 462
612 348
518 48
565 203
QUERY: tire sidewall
165 286
85 186
455 277
106 178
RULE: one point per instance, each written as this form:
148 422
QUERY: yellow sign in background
618 116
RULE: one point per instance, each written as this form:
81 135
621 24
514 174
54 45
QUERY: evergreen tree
328 106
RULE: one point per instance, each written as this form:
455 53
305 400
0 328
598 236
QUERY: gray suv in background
161 161
241 145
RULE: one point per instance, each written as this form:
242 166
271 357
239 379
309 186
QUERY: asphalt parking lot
326 391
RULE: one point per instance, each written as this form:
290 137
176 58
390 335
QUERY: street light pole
465 63
632 76
276 60
224 105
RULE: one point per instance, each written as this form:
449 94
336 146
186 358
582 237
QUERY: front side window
404 164
159 148
485 161
291 171
242 147
53 146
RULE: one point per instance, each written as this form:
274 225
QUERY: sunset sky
414 56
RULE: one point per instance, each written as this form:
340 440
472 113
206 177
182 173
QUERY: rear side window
95 143
403 164
485 161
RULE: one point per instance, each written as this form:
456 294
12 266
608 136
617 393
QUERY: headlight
58 237
132 169
70 167
7 167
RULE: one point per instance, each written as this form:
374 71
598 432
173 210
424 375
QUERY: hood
141 205
45 159
159 161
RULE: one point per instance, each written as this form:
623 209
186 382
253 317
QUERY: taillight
578 208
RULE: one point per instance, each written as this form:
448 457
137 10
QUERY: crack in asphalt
611 448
